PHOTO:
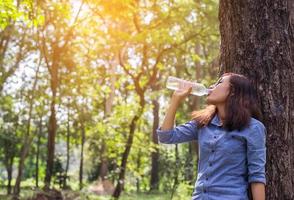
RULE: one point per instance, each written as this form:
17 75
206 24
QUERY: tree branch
121 63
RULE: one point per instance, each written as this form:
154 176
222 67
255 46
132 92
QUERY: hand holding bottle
182 89
175 83
182 92
178 96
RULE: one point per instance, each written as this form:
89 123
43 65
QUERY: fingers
189 89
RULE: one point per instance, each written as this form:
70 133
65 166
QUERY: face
219 91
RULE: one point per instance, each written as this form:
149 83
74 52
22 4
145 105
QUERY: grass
182 192
73 195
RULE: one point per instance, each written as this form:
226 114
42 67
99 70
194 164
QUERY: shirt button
205 191
207 179
215 137
210 164
212 150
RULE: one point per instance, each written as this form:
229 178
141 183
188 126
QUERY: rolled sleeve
182 133
256 154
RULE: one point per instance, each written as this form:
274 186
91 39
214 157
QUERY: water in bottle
198 89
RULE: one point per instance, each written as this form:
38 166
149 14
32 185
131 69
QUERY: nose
210 88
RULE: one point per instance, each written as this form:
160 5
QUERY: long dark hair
241 105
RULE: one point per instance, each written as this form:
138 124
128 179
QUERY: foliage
107 53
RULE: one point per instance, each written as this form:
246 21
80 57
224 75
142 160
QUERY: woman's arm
258 191
168 122
256 155
182 133
177 97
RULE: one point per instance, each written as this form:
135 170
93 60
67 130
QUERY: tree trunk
9 155
189 163
154 181
24 152
176 173
27 139
82 155
257 41
9 169
67 147
52 127
5 40
103 171
138 167
291 25
38 152
120 184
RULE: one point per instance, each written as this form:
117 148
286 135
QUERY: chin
210 101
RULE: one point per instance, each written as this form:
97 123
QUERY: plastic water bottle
198 89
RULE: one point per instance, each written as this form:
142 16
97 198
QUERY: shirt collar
216 121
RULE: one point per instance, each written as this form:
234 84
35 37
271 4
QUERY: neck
221 112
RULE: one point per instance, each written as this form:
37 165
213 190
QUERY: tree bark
27 138
120 184
138 167
53 63
257 41
5 40
67 146
82 155
9 155
176 173
52 127
132 127
154 181
103 171
9 169
38 151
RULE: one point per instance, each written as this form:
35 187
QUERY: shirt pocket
235 144
234 148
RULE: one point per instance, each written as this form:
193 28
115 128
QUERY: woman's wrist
175 100
174 104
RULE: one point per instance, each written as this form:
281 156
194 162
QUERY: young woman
231 140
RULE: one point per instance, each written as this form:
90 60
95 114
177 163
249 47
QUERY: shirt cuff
164 136
257 179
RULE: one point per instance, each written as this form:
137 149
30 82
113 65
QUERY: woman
231 140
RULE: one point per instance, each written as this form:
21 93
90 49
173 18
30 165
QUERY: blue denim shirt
227 162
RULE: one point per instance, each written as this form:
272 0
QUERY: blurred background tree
83 91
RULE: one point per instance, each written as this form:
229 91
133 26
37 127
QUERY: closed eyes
219 81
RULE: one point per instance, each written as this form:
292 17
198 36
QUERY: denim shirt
228 161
